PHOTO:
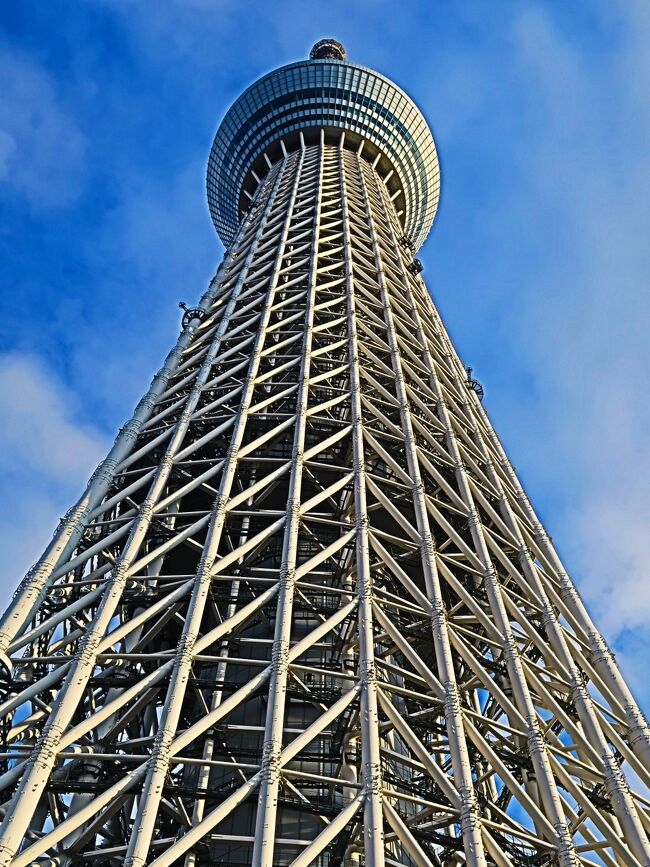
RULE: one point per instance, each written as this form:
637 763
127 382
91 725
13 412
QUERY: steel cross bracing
304 612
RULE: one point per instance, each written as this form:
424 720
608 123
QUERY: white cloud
163 248
588 311
42 150
46 456
39 430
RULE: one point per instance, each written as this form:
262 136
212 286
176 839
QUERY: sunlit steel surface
304 612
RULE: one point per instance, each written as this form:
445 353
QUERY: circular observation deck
324 93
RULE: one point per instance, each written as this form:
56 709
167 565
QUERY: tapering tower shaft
305 614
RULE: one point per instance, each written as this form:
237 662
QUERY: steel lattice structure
304 612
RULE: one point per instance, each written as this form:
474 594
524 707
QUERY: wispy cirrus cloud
46 456
587 311
539 263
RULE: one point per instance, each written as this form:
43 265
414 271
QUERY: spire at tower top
328 49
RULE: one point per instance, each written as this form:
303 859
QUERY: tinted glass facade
330 94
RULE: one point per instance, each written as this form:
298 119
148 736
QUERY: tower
304 612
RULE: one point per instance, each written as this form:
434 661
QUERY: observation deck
325 92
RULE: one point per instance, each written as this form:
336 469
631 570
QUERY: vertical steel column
263 851
373 829
469 813
536 744
160 760
203 777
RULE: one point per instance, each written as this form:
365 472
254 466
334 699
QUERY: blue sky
539 259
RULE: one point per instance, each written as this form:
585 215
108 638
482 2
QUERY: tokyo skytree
304 612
